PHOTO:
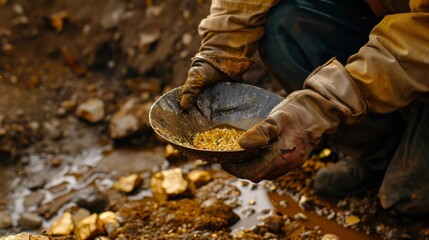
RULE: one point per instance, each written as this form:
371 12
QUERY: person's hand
296 125
200 75
290 147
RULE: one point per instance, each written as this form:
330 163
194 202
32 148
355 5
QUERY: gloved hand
296 125
200 75
207 69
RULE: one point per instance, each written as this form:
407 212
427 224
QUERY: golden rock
128 183
63 225
87 228
200 177
171 154
171 184
352 220
107 222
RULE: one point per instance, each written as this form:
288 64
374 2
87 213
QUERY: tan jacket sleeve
231 32
392 69
385 7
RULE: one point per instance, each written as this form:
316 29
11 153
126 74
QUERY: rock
217 208
87 228
5 220
17 8
132 117
63 225
52 129
68 105
171 154
55 162
147 40
330 236
274 223
91 110
305 203
24 236
300 216
33 199
128 184
200 177
57 20
123 125
35 182
186 39
107 222
351 220
171 184
30 220
34 126
91 198
80 214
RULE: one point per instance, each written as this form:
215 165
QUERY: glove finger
260 135
191 90
254 170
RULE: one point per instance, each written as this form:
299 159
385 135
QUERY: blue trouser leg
405 185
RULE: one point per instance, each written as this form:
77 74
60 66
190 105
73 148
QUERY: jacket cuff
234 67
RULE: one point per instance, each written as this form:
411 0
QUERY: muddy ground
55 55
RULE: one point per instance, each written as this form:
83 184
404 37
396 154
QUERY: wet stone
171 184
171 154
92 110
274 223
91 198
247 212
5 220
200 177
300 216
63 225
107 222
131 118
24 236
79 214
87 228
128 184
34 183
33 199
30 220
330 237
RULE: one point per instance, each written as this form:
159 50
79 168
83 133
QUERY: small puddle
258 203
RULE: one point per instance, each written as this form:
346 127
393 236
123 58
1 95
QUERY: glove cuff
330 97
335 84
233 67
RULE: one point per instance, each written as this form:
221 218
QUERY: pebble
30 220
128 183
91 110
330 236
91 198
24 236
300 216
172 183
5 220
200 177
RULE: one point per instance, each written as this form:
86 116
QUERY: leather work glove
230 36
200 75
205 71
295 126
